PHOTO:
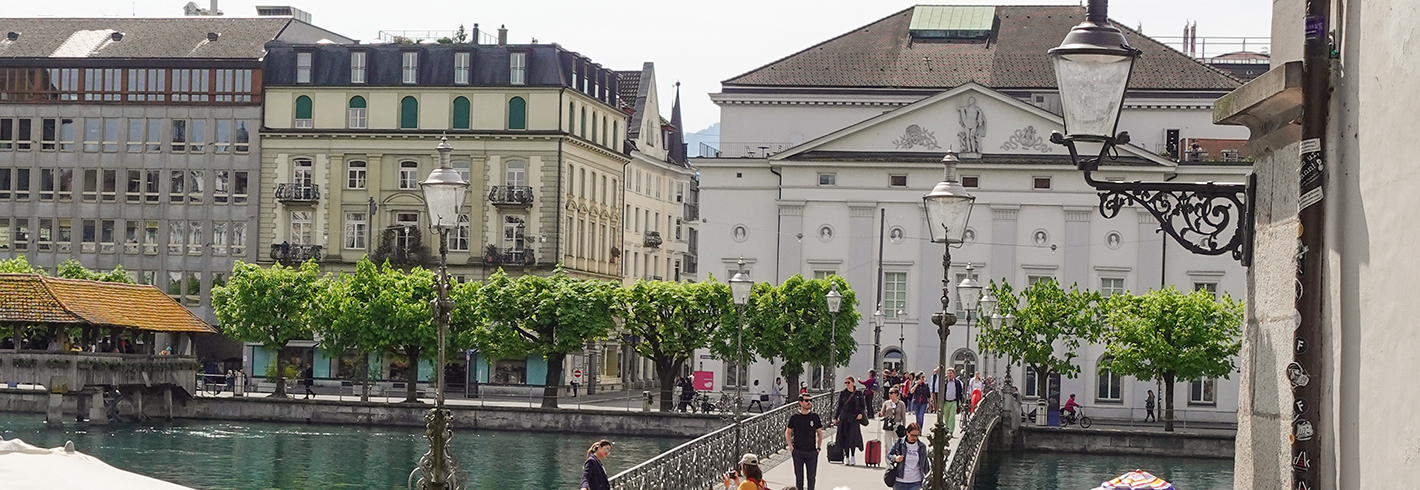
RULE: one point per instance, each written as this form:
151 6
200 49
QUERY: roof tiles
31 298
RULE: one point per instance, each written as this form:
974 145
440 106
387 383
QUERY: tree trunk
554 380
280 376
1168 402
411 387
793 384
665 370
1042 393
364 376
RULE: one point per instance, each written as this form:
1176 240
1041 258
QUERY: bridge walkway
832 476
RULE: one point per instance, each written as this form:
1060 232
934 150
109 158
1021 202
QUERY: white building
814 163
657 242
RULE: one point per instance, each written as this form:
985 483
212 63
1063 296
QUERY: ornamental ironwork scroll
702 462
1205 218
961 474
439 431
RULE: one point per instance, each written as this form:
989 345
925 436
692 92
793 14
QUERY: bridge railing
961 475
702 462
80 369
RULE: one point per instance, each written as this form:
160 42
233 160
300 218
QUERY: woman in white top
893 413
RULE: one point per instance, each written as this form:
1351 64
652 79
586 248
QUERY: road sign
577 374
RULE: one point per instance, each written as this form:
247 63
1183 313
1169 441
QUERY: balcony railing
510 195
508 256
294 254
692 212
689 265
652 239
300 193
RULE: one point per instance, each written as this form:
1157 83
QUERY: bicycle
1077 418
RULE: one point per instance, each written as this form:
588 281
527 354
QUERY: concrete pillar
98 415
168 401
138 405
54 413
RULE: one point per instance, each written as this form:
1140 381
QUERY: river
1052 471
241 456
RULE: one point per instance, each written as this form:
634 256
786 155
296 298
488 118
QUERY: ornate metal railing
700 463
511 195
961 475
508 256
290 253
652 239
297 192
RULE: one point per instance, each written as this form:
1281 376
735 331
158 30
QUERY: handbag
763 398
890 476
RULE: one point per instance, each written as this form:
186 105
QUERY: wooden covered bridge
96 343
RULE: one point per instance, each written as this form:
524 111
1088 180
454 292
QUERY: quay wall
492 417
1212 444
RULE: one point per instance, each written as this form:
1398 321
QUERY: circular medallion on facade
739 233
1113 240
896 234
1040 237
825 233
969 236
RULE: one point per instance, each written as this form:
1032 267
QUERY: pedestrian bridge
700 463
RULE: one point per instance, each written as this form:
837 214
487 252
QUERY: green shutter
409 113
303 107
357 102
461 113
517 113
571 117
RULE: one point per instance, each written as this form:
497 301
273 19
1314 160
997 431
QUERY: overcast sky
697 43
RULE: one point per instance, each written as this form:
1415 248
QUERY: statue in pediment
973 126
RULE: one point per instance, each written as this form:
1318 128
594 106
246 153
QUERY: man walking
778 392
950 398
757 397
805 436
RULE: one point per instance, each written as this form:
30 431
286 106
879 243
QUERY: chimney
475 33
213 10
502 35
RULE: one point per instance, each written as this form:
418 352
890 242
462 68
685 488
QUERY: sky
697 43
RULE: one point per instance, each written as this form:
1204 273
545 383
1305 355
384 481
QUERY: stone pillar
168 402
97 413
54 412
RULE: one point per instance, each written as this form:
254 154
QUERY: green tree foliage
271 306
342 317
1047 316
792 322
19 265
672 320
1169 335
73 269
551 316
399 316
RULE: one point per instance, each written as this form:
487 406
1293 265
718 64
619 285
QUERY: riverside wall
491 417
1209 444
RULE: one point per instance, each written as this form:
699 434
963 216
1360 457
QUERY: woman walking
849 413
593 474
870 386
894 414
1149 408
910 454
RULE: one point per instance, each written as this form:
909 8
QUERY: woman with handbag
894 414
850 419
910 462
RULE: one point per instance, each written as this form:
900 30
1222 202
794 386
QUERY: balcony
692 212
288 253
401 246
510 195
508 256
652 239
297 193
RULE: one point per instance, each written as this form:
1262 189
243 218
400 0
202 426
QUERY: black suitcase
835 453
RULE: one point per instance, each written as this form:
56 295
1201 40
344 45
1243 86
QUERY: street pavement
834 476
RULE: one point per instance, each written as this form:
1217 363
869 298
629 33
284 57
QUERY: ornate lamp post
740 287
878 318
1093 64
948 207
834 300
970 292
988 314
444 192
901 339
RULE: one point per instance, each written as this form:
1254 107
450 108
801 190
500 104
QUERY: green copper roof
952 20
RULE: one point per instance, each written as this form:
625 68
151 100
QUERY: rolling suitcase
835 453
873 454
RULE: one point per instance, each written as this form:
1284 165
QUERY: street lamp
970 292
834 300
988 314
901 339
1092 66
878 318
740 287
444 192
948 207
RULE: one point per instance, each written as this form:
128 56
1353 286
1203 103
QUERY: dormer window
461 67
517 68
411 66
303 67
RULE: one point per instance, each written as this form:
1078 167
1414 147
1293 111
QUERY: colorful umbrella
1136 480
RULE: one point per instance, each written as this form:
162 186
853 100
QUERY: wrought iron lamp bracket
1197 215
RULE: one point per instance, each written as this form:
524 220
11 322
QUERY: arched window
461 117
571 117
594 127
303 112
358 116
409 113
583 132
1108 387
615 138
517 113
964 363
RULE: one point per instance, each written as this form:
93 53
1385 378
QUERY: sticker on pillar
1299 406
1301 462
1303 430
1297 376
1311 167
1300 346
1301 485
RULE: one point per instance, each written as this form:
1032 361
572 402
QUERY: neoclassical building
822 172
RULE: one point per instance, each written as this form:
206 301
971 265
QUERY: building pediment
971 119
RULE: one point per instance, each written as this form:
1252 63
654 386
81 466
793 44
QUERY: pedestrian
870 386
310 379
593 473
749 476
849 411
758 397
687 394
921 398
936 386
952 397
978 390
1149 408
231 381
805 437
911 455
778 392
894 414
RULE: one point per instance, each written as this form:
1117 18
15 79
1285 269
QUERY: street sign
577 374
704 380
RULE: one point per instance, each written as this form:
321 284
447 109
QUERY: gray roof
630 83
1013 56
169 38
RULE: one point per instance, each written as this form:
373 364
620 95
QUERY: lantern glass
948 209
970 292
834 299
740 287
444 193
1091 92
988 303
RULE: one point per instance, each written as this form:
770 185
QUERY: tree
1050 315
400 316
19 265
672 320
73 269
271 306
792 322
551 316
344 320
1169 335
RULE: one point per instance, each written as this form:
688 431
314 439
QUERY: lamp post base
438 470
